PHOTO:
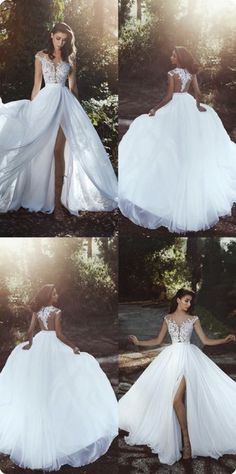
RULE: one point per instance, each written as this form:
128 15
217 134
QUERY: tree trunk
89 248
139 10
99 17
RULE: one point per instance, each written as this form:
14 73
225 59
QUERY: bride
177 165
28 132
56 404
182 400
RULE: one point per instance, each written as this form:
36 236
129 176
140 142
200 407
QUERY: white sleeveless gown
146 411
28 131
56 407
178 168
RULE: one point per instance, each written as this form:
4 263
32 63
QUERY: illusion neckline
179 325
53 62
48 306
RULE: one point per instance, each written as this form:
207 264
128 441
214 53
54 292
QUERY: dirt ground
87 224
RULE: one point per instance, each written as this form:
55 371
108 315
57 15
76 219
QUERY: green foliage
103 113
210 323
135 47
142 266
95 25
212 291
124 7
97 291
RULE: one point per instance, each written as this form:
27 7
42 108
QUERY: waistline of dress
54 84
181 342
181 93
49 331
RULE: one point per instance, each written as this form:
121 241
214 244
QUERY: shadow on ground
88 224
140 460
107 464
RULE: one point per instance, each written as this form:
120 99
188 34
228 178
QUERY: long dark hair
180 294
186 59
68 51
42 298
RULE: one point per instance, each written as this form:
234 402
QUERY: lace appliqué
44 313
182 332
53 73
183 75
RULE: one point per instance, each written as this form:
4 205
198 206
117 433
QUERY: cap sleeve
39 55
195 318
171 73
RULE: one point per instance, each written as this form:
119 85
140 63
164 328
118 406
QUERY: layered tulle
56 407
146 411
27 170
177 169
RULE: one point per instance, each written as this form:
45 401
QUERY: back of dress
182 79
46 317
180 332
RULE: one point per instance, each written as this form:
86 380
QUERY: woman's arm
197 94
37 78
167 98
30 332
72 81
61 336
151 342
207 341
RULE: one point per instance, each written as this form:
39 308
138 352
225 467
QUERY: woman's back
46 317
182 79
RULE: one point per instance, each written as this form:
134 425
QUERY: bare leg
59 173
180 411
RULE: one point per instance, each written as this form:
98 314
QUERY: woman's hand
76 350
230 338
134 340
201 108
27 347
152 112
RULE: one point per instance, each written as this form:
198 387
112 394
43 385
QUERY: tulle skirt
177 169
28 131
56 407
146 411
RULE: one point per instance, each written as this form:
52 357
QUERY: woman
177 165
27 176
182 392
56 404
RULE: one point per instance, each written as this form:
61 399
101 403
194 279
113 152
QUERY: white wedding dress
28 131
56 407
146 411
178 168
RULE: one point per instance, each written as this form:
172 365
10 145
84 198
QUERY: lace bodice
53 73
184 77
44 312
182 332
